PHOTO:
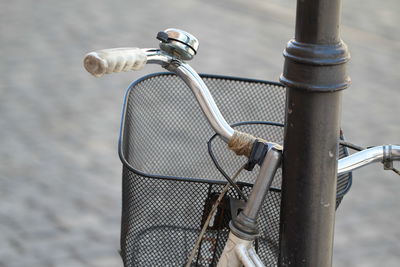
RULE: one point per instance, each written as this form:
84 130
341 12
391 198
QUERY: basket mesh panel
169 180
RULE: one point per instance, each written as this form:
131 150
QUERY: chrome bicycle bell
178 43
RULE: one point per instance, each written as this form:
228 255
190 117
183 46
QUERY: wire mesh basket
169 180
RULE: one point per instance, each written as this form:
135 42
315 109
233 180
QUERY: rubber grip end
95 65
113 60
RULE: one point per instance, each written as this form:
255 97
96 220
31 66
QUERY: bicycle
176 47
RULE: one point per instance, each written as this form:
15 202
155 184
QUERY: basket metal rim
192 179
167 177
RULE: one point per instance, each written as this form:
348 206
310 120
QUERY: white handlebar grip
112 60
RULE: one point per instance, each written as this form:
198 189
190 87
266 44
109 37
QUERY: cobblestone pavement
59 168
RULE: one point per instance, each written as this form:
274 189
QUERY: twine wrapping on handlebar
242 143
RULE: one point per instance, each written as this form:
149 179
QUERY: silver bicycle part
269 166
198 87
239 252
204 98
178 43
239 249
175 47
385 154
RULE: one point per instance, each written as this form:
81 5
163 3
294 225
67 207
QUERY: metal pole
314 74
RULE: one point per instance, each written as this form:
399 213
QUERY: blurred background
60 186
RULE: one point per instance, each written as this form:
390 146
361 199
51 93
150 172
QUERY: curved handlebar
368 156
106 61
204 98
112 60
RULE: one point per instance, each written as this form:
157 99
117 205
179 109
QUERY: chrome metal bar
204 98
270 164
198 87
368 156
396 152
156 56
